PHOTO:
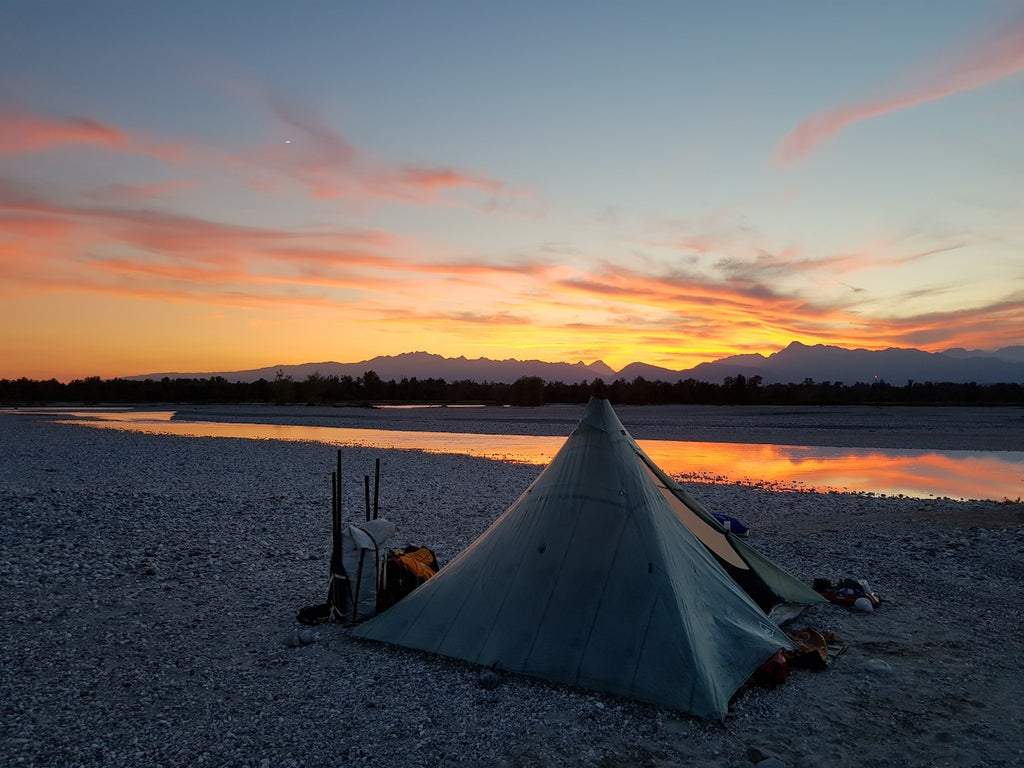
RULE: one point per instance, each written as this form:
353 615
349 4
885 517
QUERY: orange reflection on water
520 448
955 474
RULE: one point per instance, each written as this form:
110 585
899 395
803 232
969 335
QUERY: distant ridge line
793 364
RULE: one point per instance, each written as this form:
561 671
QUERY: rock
489 680
878 667
770 762
299 637
756 754
863 605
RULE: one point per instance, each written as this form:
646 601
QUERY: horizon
614 370
665 184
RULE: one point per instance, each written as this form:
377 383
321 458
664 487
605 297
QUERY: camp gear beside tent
811 649
734 525
847 592
404 570
360 569
354 576
606 575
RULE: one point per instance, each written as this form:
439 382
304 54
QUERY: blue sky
208 186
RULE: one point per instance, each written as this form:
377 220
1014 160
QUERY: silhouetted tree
527 390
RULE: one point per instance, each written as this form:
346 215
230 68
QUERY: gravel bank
150 582
852 426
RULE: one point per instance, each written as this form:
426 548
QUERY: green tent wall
591 578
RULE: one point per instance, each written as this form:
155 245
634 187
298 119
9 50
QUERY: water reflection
955 474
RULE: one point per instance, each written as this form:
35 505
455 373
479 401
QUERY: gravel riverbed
150 585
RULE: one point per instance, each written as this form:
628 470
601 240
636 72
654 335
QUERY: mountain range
796 363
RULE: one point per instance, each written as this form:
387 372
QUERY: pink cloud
981 64
317 157
24 132
133 192
315 160
53 244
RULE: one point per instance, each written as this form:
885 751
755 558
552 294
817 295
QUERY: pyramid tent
591 578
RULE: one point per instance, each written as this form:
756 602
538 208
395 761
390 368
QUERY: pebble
489 680
878 667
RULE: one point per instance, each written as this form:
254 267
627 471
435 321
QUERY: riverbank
150 583
924 427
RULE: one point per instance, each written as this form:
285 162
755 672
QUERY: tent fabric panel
678 562
561 503
497 570
455 612
459 598
579 595
576 497
516 627
712 538
789 588
628 601
669 671
720 642
763 579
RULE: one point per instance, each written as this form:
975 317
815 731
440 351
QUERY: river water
957 474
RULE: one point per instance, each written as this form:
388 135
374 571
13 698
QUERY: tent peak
600 415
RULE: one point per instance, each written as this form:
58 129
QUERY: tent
591 578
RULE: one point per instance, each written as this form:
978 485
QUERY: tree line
370 389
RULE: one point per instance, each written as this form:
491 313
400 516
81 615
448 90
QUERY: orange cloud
384 282
981 64
23 132
733 307
677 310
52 246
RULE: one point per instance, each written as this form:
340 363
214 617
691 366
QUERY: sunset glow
211 187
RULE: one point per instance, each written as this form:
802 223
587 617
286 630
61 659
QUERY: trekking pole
359 584
376 490
366 485
333 590
332 587
338 492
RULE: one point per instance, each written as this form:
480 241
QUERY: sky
215 186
